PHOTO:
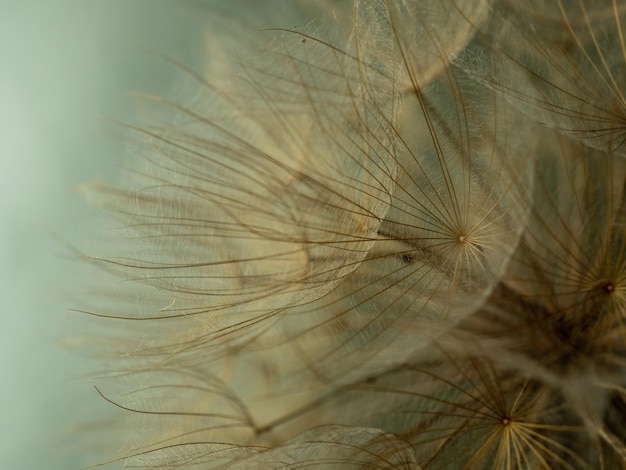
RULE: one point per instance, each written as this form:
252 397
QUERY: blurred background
67 66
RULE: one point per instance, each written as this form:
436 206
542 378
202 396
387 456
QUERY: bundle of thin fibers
261 197
264 196
393 238
558 315
563 62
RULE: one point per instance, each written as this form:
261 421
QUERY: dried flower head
392 241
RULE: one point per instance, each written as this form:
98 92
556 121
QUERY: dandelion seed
315 244
560 312
562 62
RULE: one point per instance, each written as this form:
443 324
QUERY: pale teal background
63 65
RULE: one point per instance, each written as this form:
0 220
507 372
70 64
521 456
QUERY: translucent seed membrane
431 27
569 271
263 197
560 312
327 447
459 205
393 238
458 410
563 62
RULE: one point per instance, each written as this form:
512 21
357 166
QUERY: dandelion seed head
349 252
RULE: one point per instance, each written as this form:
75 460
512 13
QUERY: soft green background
64 66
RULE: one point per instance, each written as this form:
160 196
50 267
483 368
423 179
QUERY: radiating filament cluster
392 238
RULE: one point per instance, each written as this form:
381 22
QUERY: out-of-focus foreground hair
391 238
